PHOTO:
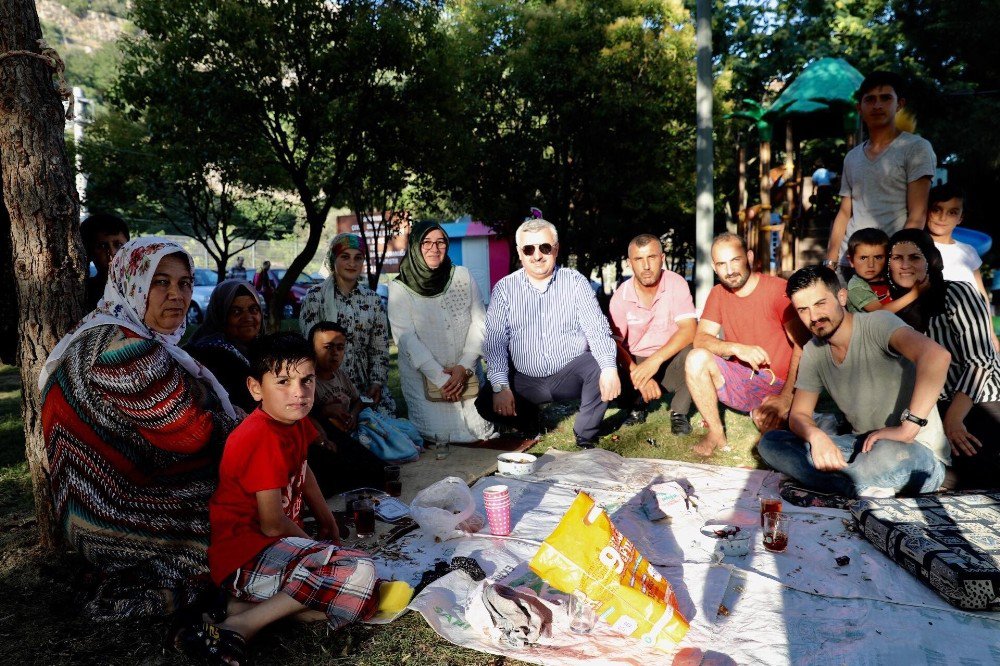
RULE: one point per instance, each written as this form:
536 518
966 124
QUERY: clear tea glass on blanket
582 616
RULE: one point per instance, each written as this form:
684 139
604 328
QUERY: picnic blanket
798 607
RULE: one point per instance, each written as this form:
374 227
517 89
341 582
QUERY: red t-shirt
260 454
758 319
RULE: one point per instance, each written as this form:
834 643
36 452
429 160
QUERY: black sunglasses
544 248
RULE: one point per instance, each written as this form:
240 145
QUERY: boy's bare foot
708 444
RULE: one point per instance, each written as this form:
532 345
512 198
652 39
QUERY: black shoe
679 424
582 443
635 417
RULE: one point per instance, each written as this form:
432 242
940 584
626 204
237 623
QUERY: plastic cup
496 500
775 534
582 616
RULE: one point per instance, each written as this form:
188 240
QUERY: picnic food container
516 464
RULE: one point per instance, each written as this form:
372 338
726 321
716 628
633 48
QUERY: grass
40 619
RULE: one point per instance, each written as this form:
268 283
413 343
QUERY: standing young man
887 177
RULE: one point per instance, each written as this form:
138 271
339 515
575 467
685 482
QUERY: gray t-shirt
877 187
874 384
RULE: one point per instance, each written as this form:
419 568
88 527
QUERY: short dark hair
276 352
642 240
944 192
729 237
869 236
105 223
810 275
882 78
326 327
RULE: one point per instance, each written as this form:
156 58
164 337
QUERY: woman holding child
234 319
344 299
134 427
955 315
438 321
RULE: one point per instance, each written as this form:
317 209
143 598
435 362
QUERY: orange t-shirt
757 319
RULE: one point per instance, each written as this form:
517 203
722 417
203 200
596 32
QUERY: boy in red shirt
259 553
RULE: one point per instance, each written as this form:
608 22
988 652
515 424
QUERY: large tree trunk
40 196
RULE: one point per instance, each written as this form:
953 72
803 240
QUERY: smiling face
243 319
433 248
943 217
169 295
821 310
646 263
348 265
329 348
868 261
538 265
286 395
907 265
732 264
878 107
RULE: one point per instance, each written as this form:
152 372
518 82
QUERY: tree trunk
40 196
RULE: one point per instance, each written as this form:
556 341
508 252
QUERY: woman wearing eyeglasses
437 319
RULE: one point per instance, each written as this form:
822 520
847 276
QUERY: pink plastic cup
499 519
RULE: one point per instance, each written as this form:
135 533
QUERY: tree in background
583 109
287 86
177 180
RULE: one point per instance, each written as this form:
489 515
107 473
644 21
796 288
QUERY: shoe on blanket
806 497
208 644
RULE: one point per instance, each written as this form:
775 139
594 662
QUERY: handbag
433 393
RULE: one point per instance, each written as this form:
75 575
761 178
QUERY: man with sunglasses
546 337
653 320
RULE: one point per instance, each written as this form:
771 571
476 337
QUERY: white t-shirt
877 187
961 262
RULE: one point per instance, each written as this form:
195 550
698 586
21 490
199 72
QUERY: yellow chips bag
586 553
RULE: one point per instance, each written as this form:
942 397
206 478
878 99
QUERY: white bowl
516 464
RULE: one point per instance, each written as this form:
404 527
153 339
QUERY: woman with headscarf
343 298
133 429
234 319
955 315
438 322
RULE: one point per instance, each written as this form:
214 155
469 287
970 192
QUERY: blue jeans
909 468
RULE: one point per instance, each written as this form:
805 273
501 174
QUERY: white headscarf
124 304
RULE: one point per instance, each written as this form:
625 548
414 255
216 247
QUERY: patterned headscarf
340 243
124 304
413 269
218 307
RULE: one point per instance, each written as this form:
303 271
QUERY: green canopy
820 101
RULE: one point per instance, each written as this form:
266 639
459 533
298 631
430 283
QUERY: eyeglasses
428 244
544 248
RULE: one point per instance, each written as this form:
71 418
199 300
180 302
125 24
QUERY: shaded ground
40 622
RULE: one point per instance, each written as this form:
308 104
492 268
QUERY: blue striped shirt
541 331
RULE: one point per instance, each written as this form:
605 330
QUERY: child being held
868 289
339 403
260 554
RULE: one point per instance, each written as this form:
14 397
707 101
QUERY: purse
433 393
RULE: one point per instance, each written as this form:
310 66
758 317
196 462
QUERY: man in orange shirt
753 368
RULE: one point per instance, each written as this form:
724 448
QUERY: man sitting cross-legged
753 368
653 320
884 376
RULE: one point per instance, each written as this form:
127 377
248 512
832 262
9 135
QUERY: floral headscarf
124 304
340 243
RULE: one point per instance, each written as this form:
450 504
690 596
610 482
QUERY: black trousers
670 376
350 466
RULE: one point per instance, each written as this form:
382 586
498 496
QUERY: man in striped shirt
546 337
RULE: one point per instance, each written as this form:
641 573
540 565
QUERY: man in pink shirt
653 321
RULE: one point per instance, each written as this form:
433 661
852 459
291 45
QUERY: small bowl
516 464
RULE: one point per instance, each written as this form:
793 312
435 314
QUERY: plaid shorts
338 582
746 388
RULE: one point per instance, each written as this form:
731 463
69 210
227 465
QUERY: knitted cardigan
133 444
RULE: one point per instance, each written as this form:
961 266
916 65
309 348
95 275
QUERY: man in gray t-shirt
887 177
884 376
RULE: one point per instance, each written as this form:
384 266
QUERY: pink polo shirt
644 330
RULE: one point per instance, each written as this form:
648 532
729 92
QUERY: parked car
205 280
293 301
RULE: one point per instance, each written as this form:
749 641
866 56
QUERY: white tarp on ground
764 608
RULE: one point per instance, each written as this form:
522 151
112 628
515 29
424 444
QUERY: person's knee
698 362
773 443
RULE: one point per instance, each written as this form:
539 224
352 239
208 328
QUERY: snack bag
586 553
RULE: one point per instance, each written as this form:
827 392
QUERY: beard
736 282
826 335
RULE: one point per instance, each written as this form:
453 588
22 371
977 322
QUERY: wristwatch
831 263
500 388
907 415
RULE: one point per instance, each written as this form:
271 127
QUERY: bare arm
839 228
916 202
825 454
320 510
706 338
273 521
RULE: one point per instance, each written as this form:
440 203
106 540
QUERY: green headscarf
414 271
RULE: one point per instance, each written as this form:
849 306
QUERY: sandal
208 644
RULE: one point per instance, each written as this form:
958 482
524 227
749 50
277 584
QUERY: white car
205 280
